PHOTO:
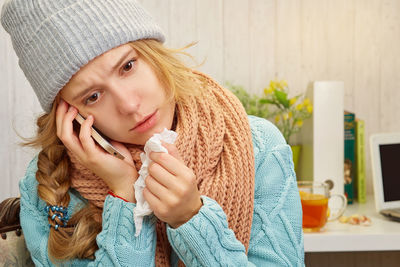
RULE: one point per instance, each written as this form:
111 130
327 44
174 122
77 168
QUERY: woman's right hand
118 174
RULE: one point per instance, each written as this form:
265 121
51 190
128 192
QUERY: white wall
249 43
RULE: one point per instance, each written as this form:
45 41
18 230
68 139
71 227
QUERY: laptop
385 159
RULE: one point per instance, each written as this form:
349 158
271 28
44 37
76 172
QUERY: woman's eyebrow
121 59
84 92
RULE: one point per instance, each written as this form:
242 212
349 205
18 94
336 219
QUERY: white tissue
153 144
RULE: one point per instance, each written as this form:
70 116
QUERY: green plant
287 113
251 103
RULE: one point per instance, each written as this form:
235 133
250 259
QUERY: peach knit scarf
215 141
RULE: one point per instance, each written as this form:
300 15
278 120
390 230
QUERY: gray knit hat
53 39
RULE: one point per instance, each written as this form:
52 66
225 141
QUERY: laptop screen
390 165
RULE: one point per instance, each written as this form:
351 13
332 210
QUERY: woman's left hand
171 188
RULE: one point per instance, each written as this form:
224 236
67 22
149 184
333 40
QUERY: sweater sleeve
206 240
117 243
276 235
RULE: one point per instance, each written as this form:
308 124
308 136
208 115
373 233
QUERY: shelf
382 235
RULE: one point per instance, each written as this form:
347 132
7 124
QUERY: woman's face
123 94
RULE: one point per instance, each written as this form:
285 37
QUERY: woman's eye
128 66
91 99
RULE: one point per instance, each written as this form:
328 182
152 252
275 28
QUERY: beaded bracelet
59 212
114 195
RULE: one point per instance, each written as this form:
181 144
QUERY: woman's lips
146 123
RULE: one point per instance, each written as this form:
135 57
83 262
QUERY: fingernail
91 118
71 109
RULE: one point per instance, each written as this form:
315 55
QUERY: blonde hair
78 239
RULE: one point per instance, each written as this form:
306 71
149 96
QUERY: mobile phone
100 139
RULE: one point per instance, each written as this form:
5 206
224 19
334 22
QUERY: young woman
225 194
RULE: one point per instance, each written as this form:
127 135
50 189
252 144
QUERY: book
349 155
360 186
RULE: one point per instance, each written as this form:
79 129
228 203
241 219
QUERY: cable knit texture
214 140
205 240
276 236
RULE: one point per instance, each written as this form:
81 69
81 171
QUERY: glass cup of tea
315 198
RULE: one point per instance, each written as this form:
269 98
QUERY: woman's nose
127 106
126 101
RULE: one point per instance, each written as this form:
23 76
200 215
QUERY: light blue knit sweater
205 240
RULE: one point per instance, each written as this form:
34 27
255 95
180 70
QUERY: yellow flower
299 123
292 101
309 109
277 118
268 90
285 116
299 106
283 84
290 114
272 84
306 101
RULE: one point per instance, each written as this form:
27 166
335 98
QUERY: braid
52 175
54 182
78 239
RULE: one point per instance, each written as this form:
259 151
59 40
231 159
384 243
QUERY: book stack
354 158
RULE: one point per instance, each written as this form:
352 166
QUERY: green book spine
349 155
360 158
